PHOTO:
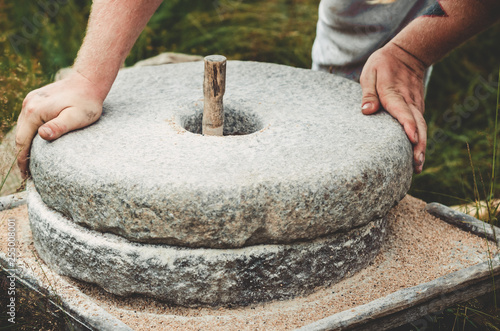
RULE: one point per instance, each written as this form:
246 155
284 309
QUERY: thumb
69 119
370 102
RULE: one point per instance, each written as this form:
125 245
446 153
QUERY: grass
458 107
33 311
474 315
459 110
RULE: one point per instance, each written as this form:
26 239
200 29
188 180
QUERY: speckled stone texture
198 276
314 164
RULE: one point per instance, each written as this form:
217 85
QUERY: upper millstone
300 160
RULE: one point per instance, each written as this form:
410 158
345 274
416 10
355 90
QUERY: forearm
429 38
114 26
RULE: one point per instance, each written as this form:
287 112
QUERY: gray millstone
199 276
313 164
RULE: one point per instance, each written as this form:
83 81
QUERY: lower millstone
198 276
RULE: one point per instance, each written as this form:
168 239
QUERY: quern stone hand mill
292 197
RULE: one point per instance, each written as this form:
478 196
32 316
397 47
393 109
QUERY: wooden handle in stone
214 86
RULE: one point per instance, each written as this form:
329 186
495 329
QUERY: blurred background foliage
39 37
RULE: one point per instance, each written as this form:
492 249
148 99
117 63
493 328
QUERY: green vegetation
33 311
36 40
461 109
475 315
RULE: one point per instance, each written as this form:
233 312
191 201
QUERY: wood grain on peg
214 86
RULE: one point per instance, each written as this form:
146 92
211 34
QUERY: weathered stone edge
199 277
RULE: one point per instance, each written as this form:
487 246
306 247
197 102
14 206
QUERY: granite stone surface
199 276
299 160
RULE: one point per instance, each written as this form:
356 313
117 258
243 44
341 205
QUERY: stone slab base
199 277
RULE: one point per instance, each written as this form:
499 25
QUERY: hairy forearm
431 37
114 26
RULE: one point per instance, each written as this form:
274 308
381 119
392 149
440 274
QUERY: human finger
370 101
24 136
396 105
419 149
27 126
69 119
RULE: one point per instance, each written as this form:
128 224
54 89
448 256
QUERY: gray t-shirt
348 31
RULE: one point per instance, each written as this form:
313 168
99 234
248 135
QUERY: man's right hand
55 109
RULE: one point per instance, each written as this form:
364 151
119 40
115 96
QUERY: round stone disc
199 276
299 160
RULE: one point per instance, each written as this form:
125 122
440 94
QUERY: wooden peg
214 86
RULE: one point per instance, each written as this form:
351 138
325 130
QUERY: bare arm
76 101
393 76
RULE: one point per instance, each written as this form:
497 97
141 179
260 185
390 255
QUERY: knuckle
413 126
19 141
57 127
29 97
391 89
30 109
393 98
22 159
370 95
409 125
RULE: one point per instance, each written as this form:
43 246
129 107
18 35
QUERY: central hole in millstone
237 122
